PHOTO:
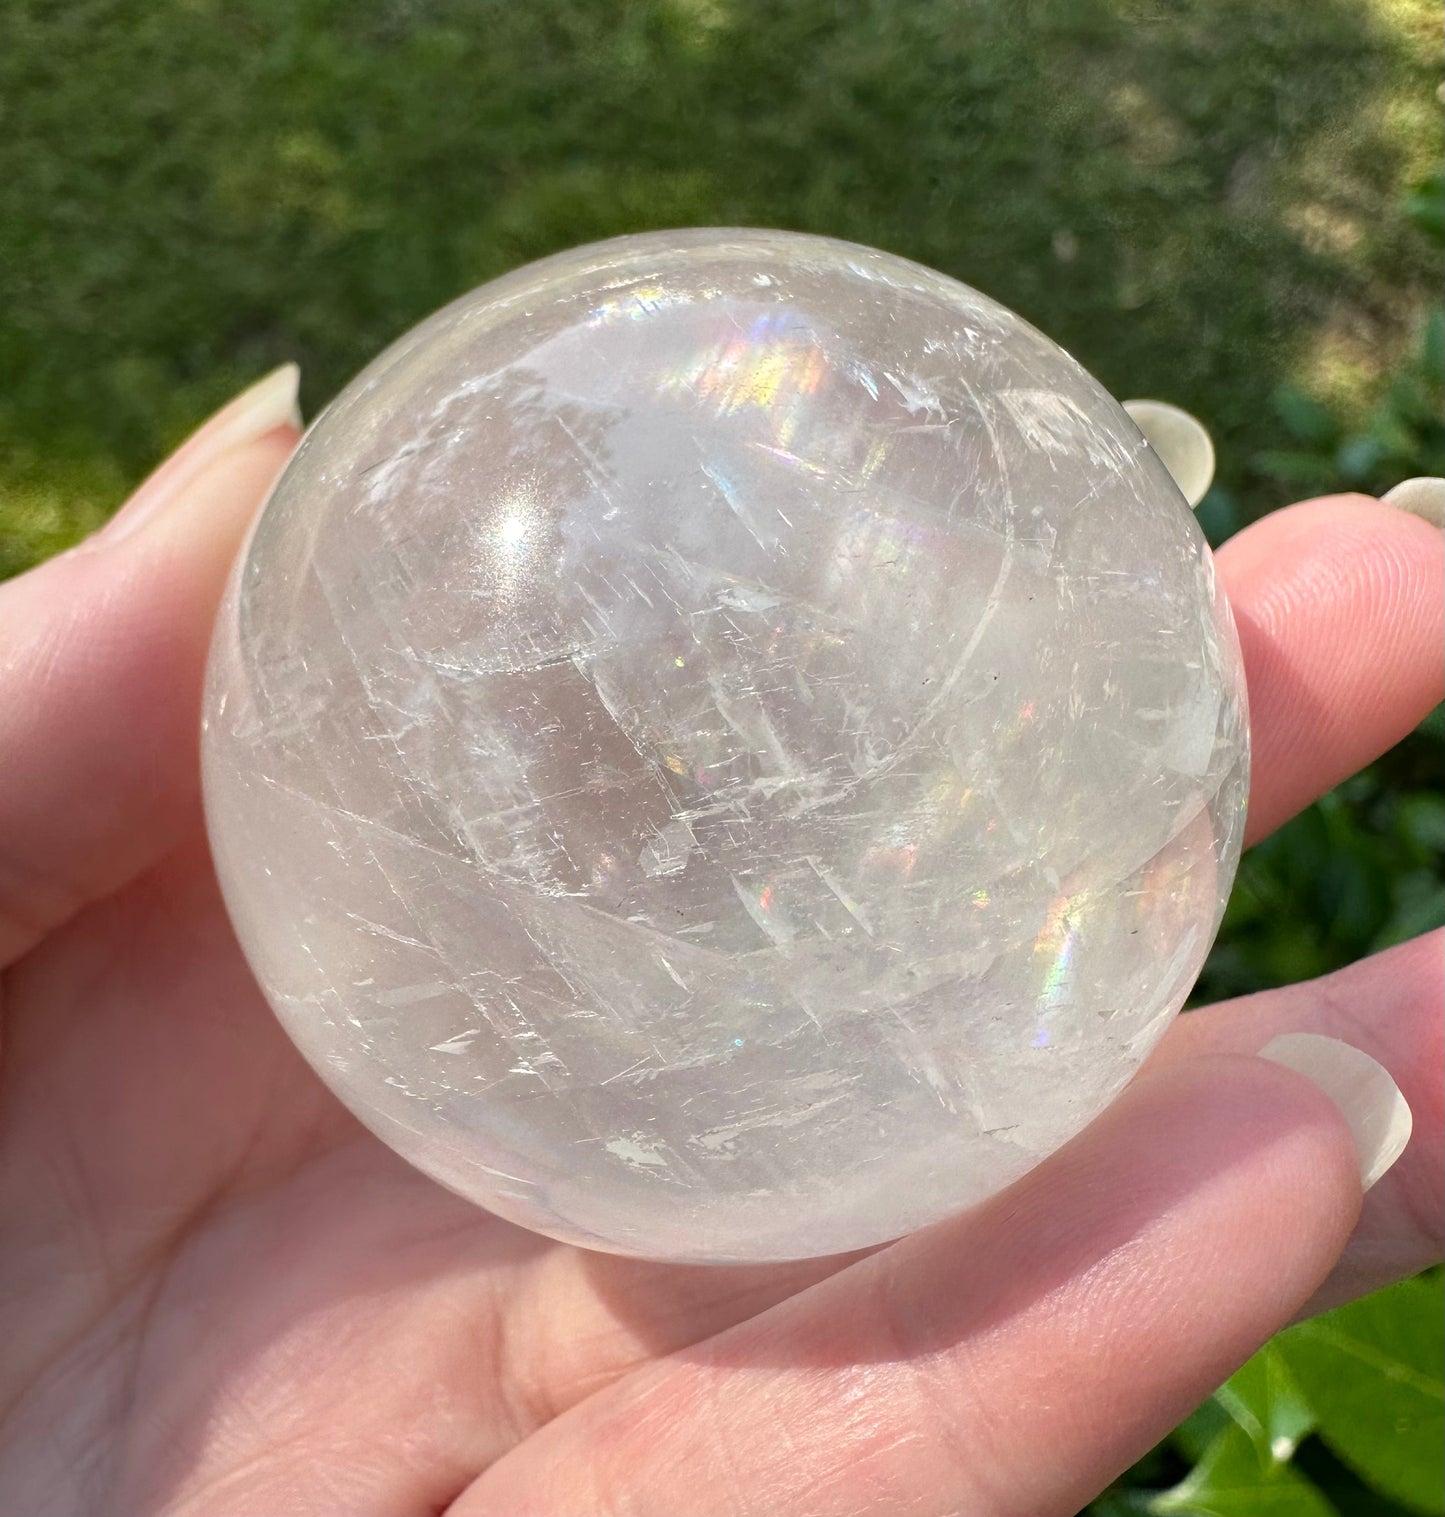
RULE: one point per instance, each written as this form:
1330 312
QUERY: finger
1393 1006
1340 605
1010 1361
103 654
580 1325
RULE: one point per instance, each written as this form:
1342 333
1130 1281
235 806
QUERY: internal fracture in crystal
725 746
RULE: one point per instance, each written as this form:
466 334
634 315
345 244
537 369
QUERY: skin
219 1296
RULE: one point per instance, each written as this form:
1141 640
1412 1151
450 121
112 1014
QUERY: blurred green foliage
1318 450
1361 869
1235 205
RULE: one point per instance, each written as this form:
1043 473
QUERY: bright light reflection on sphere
724 746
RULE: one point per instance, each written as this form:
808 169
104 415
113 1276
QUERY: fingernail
1182 442
269 403
1362 1089
1423 497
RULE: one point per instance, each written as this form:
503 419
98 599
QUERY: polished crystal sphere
725 746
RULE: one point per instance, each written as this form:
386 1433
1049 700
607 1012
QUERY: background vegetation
1232 204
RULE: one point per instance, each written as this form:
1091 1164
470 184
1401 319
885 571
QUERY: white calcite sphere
724 746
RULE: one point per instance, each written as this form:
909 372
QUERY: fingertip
1221 1189
1258 1114
104 654
1329 522
1242 1146
210 519
1348 551
269 406
1341 619
1362 1088
1422 496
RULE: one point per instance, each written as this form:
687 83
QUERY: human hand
220 1296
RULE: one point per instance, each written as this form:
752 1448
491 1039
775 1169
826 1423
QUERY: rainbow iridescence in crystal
724 746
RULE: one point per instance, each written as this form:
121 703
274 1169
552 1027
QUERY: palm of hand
239 1252
220 1295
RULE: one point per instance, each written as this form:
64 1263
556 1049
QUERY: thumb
102 656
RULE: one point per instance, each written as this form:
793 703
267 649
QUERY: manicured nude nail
268 404
1361 1087
1182 442
1423 497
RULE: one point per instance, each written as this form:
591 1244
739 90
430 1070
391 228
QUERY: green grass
1202 199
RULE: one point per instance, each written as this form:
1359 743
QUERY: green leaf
1359 456
1122 1504
1218 515
1305 418
1422 819
1295 468
1341 1486
1426 207
1232 1480
1268 1406
1200 1430
1419 907
1433 725
1374 1373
